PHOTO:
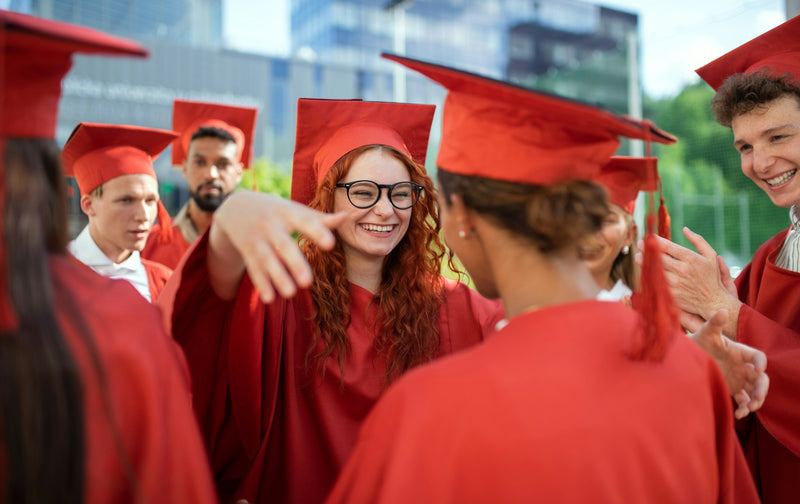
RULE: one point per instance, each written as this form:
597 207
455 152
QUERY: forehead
785 109
378 165
137 182
212 147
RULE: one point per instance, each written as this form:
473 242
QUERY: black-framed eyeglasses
365 193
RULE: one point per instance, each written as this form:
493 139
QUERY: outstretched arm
253 231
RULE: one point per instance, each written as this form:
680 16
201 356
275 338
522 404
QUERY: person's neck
603 279
366 272
200 218
114 254
527 279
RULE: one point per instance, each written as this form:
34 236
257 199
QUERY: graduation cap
97 153
625 176
35 54
776 52
189 116
329 129
497 130
494 129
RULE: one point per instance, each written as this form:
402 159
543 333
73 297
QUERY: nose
762 160
141 213
384 205
213 172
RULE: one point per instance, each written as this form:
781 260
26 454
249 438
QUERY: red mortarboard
189 116
625 176
776 52
97 153
35 54
498 130
329 129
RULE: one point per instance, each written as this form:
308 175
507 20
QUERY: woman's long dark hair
41 400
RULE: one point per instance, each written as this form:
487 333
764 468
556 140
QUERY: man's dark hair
212 132
741 93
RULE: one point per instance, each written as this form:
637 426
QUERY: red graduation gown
770 321
157 276
147 389
277 429
551 409
168 254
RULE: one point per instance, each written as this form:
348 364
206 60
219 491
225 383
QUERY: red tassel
166 225
654 303
664 224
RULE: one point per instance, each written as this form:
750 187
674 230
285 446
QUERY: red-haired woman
282 380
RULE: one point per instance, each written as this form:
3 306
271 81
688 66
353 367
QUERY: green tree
269 178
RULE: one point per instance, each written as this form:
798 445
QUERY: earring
462 234
625 250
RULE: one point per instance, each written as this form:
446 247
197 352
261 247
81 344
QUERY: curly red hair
411 291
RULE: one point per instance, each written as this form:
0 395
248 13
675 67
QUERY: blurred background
634 57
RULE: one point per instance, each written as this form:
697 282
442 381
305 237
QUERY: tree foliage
269 178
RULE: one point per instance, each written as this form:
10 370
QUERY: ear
185 166
633 232
87 202
460 213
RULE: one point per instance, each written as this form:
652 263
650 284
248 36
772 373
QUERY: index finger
317 226
699 243
673 249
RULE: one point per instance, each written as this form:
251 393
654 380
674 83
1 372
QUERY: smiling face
768 139
370 234
120 219
600 250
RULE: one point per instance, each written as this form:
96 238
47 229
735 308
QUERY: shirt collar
86 250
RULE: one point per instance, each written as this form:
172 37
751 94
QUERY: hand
743 367
253 231
700 282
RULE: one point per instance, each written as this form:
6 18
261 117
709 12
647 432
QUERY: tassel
166 225
654 303
664 224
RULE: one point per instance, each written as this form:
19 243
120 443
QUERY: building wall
523 41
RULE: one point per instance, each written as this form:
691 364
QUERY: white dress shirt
619 291
131 269
789 256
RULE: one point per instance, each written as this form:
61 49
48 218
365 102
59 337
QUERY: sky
677 35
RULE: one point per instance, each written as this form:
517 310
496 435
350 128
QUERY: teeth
377 229
780 179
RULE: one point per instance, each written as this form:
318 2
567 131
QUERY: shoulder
113 309
771 244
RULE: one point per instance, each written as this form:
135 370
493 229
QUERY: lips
375 228
781 179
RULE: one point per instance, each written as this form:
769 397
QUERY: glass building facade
570 47
195 23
